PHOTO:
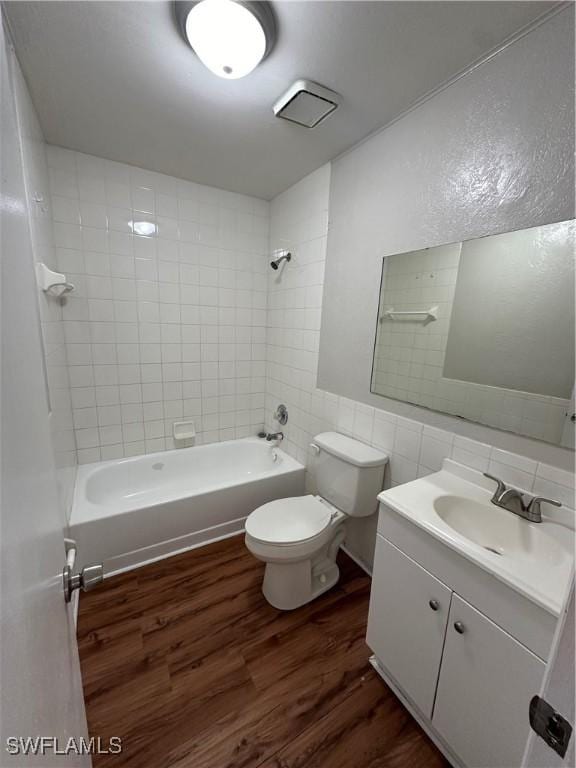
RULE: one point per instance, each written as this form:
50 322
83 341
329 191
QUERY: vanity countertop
453 505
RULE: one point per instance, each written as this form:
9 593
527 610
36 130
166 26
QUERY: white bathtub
130 511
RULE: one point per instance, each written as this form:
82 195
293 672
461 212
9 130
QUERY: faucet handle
500 488
534 505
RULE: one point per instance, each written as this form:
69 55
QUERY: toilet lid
288 521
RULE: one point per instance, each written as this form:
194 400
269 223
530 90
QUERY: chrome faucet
274 436
513 501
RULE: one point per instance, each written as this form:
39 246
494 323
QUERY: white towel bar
426 314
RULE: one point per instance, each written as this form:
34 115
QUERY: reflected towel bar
426 314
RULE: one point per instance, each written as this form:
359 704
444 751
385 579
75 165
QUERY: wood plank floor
190 666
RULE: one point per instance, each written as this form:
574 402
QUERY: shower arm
276 262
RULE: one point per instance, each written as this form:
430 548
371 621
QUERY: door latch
87 579
550 725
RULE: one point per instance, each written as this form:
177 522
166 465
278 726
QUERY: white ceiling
115 79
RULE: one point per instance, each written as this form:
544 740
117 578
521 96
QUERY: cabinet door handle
434 604
459 627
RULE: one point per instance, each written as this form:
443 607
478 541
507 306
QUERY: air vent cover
306 103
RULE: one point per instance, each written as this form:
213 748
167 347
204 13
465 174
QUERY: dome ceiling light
230 37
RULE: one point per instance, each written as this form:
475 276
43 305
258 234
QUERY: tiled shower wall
167 319
298 223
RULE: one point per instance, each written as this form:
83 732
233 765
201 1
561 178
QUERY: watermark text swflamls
52 745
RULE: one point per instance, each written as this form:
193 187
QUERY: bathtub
128 512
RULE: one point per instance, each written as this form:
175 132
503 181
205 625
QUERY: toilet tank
349 474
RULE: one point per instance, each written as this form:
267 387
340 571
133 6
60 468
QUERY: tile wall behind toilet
162 326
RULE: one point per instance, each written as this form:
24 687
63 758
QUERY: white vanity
464 604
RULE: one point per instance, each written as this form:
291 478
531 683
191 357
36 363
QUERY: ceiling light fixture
231 37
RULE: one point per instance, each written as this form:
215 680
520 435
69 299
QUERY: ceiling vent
306 103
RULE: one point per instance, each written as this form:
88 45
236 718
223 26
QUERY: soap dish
183 430
52 283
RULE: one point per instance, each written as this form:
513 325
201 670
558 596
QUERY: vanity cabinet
407 622
469 681
487 679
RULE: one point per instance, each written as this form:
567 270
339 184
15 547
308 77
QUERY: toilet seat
299 538
285 522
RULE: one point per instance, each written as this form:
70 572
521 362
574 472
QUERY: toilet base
288 586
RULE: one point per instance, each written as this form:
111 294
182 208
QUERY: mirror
483 330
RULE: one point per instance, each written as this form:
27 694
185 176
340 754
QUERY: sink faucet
513 501
274 436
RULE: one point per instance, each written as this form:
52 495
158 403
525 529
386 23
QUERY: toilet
298 538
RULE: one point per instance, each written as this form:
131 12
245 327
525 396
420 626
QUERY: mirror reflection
483 330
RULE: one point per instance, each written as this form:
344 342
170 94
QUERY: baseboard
359 562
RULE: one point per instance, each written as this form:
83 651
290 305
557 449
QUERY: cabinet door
486 682
407 622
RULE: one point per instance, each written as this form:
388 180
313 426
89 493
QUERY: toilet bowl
298 538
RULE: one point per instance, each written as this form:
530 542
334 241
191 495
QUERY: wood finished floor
186 661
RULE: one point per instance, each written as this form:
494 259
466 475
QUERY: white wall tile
145 252
407 443
511 475
555 475
433 451
522 463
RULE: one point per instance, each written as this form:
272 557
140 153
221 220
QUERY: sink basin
498 531
453 506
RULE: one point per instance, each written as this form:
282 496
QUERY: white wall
491 153
40 221
298 221
164 327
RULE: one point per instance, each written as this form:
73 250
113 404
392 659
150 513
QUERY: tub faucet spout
275 436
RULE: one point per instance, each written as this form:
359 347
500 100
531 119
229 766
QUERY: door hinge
550 725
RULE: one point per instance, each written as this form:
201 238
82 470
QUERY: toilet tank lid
350 450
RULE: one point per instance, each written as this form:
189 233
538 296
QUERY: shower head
276 263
